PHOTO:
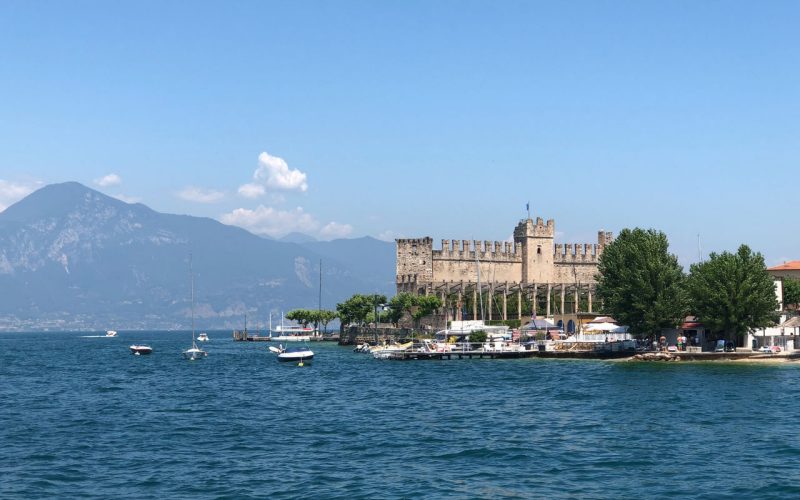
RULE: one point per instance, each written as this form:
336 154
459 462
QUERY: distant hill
296 237
74 258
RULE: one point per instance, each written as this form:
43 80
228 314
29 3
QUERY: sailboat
193 352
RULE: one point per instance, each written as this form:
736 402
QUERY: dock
414 355
501 354
245 336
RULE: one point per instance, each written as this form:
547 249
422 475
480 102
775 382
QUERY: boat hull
295 356
140 350
193 354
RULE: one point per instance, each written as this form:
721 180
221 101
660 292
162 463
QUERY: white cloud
251 190
267 220
200 195
108 180
335 230
273 172
12 192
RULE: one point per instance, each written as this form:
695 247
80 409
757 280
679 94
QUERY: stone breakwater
656 356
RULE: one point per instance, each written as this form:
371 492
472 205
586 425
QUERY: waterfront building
531 275
790 270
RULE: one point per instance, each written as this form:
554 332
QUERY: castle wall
458 260
532 258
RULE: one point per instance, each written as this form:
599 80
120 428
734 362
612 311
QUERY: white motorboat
111 333
388 351
298 355
203 337
140 349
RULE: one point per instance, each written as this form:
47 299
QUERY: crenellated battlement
415 241
485 251
528 228
576 253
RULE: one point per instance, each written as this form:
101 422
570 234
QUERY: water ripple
83 418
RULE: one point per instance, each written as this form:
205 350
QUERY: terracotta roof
792 265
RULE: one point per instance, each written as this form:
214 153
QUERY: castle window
539 250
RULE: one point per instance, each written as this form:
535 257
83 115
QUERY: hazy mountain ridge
71 257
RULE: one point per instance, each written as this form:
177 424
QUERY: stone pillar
577 299
563 290
444 306
505 302
475 303
590 300
460 303
519 303
549 289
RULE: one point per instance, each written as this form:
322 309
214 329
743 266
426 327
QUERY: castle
532 273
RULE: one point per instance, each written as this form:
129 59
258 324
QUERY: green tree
302 316
477 337
326 317
425 305
355 309
377 300
791 293
640 283
733 293
401 303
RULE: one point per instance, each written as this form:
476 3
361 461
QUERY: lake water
82 417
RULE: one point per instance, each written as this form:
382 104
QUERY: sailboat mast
191 281
480 290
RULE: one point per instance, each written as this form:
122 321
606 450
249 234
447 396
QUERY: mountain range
74 258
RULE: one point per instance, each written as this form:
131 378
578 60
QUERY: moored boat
300 355
386 352
141 349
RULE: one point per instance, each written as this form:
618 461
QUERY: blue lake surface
82 417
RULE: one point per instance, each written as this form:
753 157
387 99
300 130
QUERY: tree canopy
307 316
401 303
425 305
357 308
302 316
640 283
733 293
791 294
417 306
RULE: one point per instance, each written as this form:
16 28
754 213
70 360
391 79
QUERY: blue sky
417 118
